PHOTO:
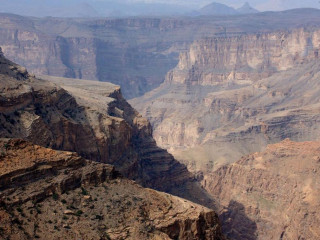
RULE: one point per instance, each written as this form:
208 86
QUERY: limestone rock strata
50 194
248 57
274 193
206 124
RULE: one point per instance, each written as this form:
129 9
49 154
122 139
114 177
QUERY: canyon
135 53
94 120
46 183
227 117
228 97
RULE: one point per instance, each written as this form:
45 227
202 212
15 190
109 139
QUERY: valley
188 127
135 53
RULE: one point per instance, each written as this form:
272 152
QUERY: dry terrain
48 194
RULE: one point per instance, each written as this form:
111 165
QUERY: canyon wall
135 53
94 120
232 96
205 118
245 58
277 189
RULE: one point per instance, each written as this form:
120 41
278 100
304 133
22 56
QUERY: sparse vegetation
84 191
79 212
55 196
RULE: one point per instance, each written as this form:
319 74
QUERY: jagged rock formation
278 189
134 53
94 120
214 108
50 194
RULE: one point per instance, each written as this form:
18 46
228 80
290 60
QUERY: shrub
79 212
84 191
55 196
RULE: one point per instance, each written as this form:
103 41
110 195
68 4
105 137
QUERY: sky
262 5
119 8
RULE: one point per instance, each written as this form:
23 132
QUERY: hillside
48 194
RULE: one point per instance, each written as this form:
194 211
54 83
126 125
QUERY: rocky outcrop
134 53
277 190
206 119
94 120
59 195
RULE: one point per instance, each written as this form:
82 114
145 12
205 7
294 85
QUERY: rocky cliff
245 58
48 194
274 193
134 53
94 120
206 118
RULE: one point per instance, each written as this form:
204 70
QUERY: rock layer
208 123
94 120
134 53
59 195
245 58
278 189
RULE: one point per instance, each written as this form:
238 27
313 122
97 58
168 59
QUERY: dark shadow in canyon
236 224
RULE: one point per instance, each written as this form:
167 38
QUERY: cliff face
135 53
94 120
59 195
205 123
72 57
278 189
245 58
208 117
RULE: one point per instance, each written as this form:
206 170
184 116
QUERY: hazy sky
120 8
262 5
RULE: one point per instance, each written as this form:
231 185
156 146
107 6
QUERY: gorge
220 137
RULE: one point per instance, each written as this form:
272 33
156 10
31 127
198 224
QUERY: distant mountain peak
215 8
246 9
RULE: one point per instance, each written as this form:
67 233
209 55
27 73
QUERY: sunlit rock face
232 96
245 58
